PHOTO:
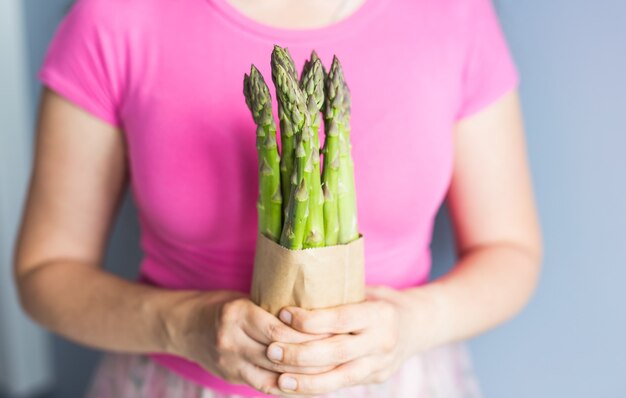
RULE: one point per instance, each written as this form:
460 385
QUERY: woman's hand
228 335
370 341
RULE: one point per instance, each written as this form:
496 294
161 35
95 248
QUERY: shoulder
449 17
462 8
467 20
115 15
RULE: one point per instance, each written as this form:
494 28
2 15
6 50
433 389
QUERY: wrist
426 316
185 316
173 311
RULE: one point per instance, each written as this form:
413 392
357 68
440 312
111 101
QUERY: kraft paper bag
309 278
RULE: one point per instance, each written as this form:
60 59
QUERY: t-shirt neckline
337 29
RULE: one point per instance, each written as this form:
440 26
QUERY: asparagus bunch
299 207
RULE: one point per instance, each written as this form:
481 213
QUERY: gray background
569 340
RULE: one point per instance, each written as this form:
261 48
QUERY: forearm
93 307
486 287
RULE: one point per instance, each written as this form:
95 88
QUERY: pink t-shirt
169 73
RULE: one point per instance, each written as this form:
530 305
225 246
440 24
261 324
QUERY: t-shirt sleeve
489 71
85 60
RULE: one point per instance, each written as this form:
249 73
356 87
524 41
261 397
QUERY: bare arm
496 226
75 188
77 181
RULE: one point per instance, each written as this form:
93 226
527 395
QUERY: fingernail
285 316
275 353
288 383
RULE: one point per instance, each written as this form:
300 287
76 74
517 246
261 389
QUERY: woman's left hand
369 341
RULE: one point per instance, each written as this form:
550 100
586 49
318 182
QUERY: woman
147 93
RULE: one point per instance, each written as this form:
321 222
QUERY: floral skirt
443 372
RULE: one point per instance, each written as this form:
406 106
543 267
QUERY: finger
257 354
348 318
266 328
259 379
332 351
345 375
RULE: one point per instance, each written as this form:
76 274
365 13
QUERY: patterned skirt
443 372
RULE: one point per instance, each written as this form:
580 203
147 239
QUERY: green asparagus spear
347 207
281 56
337 113
312 84
330 173
308 63
294 108
269 204
298 207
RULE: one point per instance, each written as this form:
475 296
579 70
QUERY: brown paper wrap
309 278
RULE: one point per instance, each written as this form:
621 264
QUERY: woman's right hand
227 334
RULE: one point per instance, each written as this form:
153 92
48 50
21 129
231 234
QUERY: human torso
192 147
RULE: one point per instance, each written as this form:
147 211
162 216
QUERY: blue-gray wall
569 342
